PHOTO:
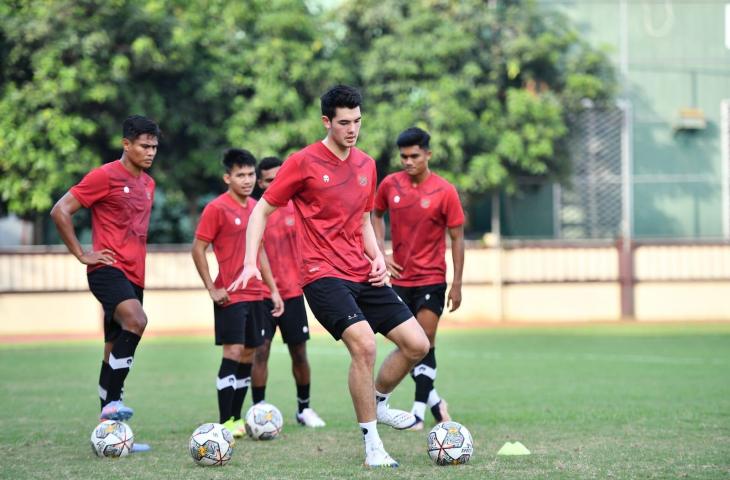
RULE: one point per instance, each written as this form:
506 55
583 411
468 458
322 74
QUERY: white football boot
309 418
376 456
398 419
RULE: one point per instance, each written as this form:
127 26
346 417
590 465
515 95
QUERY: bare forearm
369 241
201 265
379 229
457 255
65 227
255 230
266 273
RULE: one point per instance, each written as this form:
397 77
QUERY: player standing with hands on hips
120 196
332 185
422 207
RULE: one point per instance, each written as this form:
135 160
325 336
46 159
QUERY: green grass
622 401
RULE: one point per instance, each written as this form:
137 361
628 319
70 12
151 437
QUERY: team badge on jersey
425 203
237 221
363 180
289 221
396 199
326 179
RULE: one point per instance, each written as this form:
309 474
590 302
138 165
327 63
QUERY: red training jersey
280 242
120 206
419 216
223 223
330 197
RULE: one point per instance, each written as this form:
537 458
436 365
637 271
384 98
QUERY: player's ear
126 144
326 122
227 178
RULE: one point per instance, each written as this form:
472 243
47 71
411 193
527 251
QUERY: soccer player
237 314
280 244
332 186
422 206
120 196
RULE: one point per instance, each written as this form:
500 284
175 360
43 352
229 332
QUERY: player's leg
253 340
260 370
344 320
226 380
424 372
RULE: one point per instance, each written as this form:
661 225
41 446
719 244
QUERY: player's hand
219 296
278 310
454 300
249 272
378 272
105 256
393 268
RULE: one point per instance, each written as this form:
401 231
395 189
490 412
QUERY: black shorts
292 323
431 297
111 287
239 323
339 303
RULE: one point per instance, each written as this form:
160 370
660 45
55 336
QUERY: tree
493 84
213 74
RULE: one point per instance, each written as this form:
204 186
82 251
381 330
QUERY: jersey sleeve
454 212
374 177
381 195
288 182
209 224
92 188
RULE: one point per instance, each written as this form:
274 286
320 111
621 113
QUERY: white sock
433 398
419 410
381 400
370 433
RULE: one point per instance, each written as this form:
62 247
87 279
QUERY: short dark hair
339 96
238 157
136 125
414 136
267 163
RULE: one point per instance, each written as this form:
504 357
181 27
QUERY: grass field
613 401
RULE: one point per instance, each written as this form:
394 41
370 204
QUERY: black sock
424 374
243 380
104 377
120 361
258 394
226 385
302 397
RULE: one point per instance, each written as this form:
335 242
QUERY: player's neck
420 178
340 152
129 166
241 199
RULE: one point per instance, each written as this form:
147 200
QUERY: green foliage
493 85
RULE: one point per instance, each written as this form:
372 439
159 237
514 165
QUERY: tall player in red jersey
238 315
422 206
280 244
332 186
120 196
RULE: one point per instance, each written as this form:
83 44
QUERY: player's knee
364 350
298 354
135 322
262 353
417 349
233 351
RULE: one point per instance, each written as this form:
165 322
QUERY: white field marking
596 357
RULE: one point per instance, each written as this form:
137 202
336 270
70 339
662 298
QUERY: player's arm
268 277
62 213
378 271
457 256
218 295
378 218
254 234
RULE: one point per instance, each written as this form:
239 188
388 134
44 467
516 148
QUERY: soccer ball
450 443
211 444
112 439
263 421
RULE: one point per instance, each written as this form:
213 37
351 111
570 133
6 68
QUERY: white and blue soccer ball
112 438
450 443
211 444
264 421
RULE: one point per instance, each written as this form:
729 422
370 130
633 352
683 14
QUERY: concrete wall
46 293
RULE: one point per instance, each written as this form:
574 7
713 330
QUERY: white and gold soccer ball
450 443
264 421
112 438
211 444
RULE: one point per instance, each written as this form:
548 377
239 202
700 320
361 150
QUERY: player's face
141 151
415 160
241 179
344 127
267 176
